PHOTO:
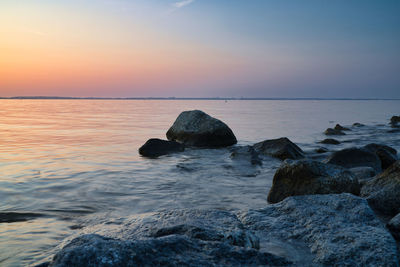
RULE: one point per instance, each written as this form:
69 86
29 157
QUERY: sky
200 48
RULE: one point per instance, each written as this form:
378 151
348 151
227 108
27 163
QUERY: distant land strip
191 98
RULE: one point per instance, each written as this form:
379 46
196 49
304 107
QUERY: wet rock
307 177
386 154
383 191
394 226
321 150
339 127
394 121
355 157
362 173
10 217
281 148
196 128
338 230
157 147
247 154
330 141
174 238
394 131
357 124
331 131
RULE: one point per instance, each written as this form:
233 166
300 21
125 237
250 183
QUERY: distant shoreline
185 98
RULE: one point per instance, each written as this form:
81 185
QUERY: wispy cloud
183 3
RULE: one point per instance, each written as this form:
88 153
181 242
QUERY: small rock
383 191
394 121
307 177
331 131
355 157
281 148
196 128
321 150
246 153
9 217
394 226
339 127
330 141
156 147
357 124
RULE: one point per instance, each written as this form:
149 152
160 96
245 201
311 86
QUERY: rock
357 124
383 192
247 154
386 154
321 150
157 147
362 173
9 217
281 148
331 131
394 226
196 128
170 238
355 157
338 230
339 127
394 121
330 141
307 177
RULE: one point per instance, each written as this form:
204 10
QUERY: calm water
76 162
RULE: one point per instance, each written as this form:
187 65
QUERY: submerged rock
339 127
330 141
394 121
331 131
281 148
394 226
196 128
307 177
338 230
383 192
355 157
157 147
362 173
357 124
9 217
386 154
247 154
321 150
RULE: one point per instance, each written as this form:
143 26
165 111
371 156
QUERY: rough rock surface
339 230
394 226
355 157
196 128
330 141
281 148
156 147
247 154
331 131
341 128
383 192
307 177
386 154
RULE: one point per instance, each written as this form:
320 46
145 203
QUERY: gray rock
338 230
157 147
375 147
196 128
383 192
307 177
330 141
394 226
247 154
394 121
357 124
339 127
355 157
386 154
281 148
174 238
331 131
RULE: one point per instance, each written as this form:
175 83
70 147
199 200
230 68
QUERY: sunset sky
200 48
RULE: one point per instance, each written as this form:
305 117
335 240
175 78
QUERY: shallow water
75 162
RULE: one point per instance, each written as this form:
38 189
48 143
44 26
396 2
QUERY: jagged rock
339 127
357 124
383 192
386 154
355 157
330 141
247 154
331 131
174 238
338 230
321 150
307 177
157 147
196 128
394 226
394 121
281 148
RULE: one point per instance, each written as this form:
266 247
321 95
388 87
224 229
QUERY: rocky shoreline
327 208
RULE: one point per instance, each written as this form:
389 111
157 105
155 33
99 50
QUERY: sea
74 163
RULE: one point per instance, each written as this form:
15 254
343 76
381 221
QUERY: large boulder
383 191
330 141
281 148
355 157
386 154
171 238
156 147
196 128
337 230
307 177
331 131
